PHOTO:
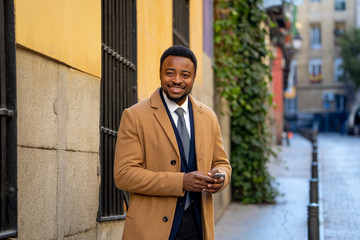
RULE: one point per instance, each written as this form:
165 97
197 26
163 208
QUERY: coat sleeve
220 158
129 171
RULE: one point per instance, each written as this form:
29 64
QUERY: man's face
177 75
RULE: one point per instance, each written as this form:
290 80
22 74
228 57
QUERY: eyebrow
173 69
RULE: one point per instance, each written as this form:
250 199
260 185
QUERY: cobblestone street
340 186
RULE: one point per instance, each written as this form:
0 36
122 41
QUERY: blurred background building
318 98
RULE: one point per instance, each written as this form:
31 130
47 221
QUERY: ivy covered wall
243 74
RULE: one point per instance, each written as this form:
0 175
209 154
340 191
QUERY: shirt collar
173 105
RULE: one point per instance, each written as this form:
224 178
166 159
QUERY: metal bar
106 108
118 56
112 196
6 112
101 152
116 47
134 60
3 175
11 123
180 38
3 159
112 218
116 102
108 131
129 49
109 113
8 233
2 56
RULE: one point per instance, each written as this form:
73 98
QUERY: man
167 157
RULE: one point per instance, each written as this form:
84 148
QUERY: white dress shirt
172 106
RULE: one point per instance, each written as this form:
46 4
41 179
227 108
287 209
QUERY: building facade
321 99
72 67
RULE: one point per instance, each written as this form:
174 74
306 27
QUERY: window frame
118 91
340 5
315 36
315 70
181 22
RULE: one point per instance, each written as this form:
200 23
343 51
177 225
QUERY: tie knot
180 112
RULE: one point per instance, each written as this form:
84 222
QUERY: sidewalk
285 220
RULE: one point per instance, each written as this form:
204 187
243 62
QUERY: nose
177 79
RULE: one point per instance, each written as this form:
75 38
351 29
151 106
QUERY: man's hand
195 181
198 181
215 185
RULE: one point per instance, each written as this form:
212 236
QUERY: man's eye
169 73
186 75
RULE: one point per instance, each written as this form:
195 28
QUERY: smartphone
218 175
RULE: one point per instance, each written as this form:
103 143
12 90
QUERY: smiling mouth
176 87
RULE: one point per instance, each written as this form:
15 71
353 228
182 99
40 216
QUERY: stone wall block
83 111
112 230
37 193
82 192
36 98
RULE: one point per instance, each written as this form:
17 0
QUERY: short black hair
180 51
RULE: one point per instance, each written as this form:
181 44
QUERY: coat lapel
163 119
199 132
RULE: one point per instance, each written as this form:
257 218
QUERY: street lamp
297 41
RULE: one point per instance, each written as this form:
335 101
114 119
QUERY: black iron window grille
8 139
118 91
181 22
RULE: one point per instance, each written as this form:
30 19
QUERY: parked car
353 121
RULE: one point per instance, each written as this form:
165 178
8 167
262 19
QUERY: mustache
176 85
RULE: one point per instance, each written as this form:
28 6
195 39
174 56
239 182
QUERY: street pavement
340 186
339 192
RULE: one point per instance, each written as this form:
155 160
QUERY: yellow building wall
66 30
154 35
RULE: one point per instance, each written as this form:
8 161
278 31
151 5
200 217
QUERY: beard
176 99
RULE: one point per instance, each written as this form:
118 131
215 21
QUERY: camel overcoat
147 164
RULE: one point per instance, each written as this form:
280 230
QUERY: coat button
165 219
173 162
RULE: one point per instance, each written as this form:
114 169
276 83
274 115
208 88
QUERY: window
340 5
340 102
315 0
118 91
181 22
315 70
8 132
315 36
291 106
339 31
338 71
